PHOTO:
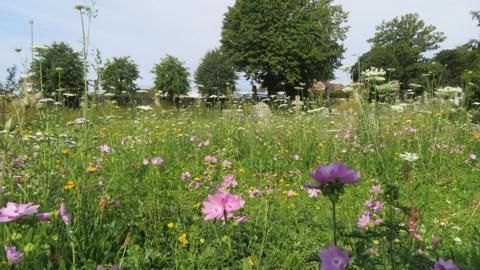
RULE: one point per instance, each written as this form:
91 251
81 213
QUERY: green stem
334 219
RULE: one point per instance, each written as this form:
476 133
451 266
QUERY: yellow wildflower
70 185
170 225
202 241
65 152
183 239
241 171
91 169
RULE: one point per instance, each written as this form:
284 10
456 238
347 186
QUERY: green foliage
454 62
11 82
476 16
409 29
119 75
171 77
215 75
399 44
58 55
291 41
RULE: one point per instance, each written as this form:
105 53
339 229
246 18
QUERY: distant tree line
282 47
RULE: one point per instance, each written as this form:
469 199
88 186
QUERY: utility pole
31 38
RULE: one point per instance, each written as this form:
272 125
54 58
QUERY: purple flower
14 211
115 267
64 215
157 161
12 254
100 267
333 258
43 217
326 174
445 265
104 148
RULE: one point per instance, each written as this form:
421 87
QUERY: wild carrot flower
12 254
64 215
104 148
441 264
332 258
409 156
227 164
15 211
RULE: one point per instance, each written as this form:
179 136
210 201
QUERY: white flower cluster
374 74
449 91
409 156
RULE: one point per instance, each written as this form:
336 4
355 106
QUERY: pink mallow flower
15 211
185 175
253 192
64 215
221 205
364 220
314 192
378 205
157 161
104 148
12 254
375 189
211 159
332 258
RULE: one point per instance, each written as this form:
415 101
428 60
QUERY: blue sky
146 30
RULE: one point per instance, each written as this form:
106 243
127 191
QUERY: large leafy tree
400 44
119 75
215 75
410 30
61 67
285 43
171 77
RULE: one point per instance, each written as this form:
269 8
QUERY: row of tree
57 70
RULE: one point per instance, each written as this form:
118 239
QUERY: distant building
322 86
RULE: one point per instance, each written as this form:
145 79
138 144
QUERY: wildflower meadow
293 134
204 188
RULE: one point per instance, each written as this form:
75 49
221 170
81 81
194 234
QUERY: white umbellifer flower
374 74
397 108
457 240
448 91
144 108
409 156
